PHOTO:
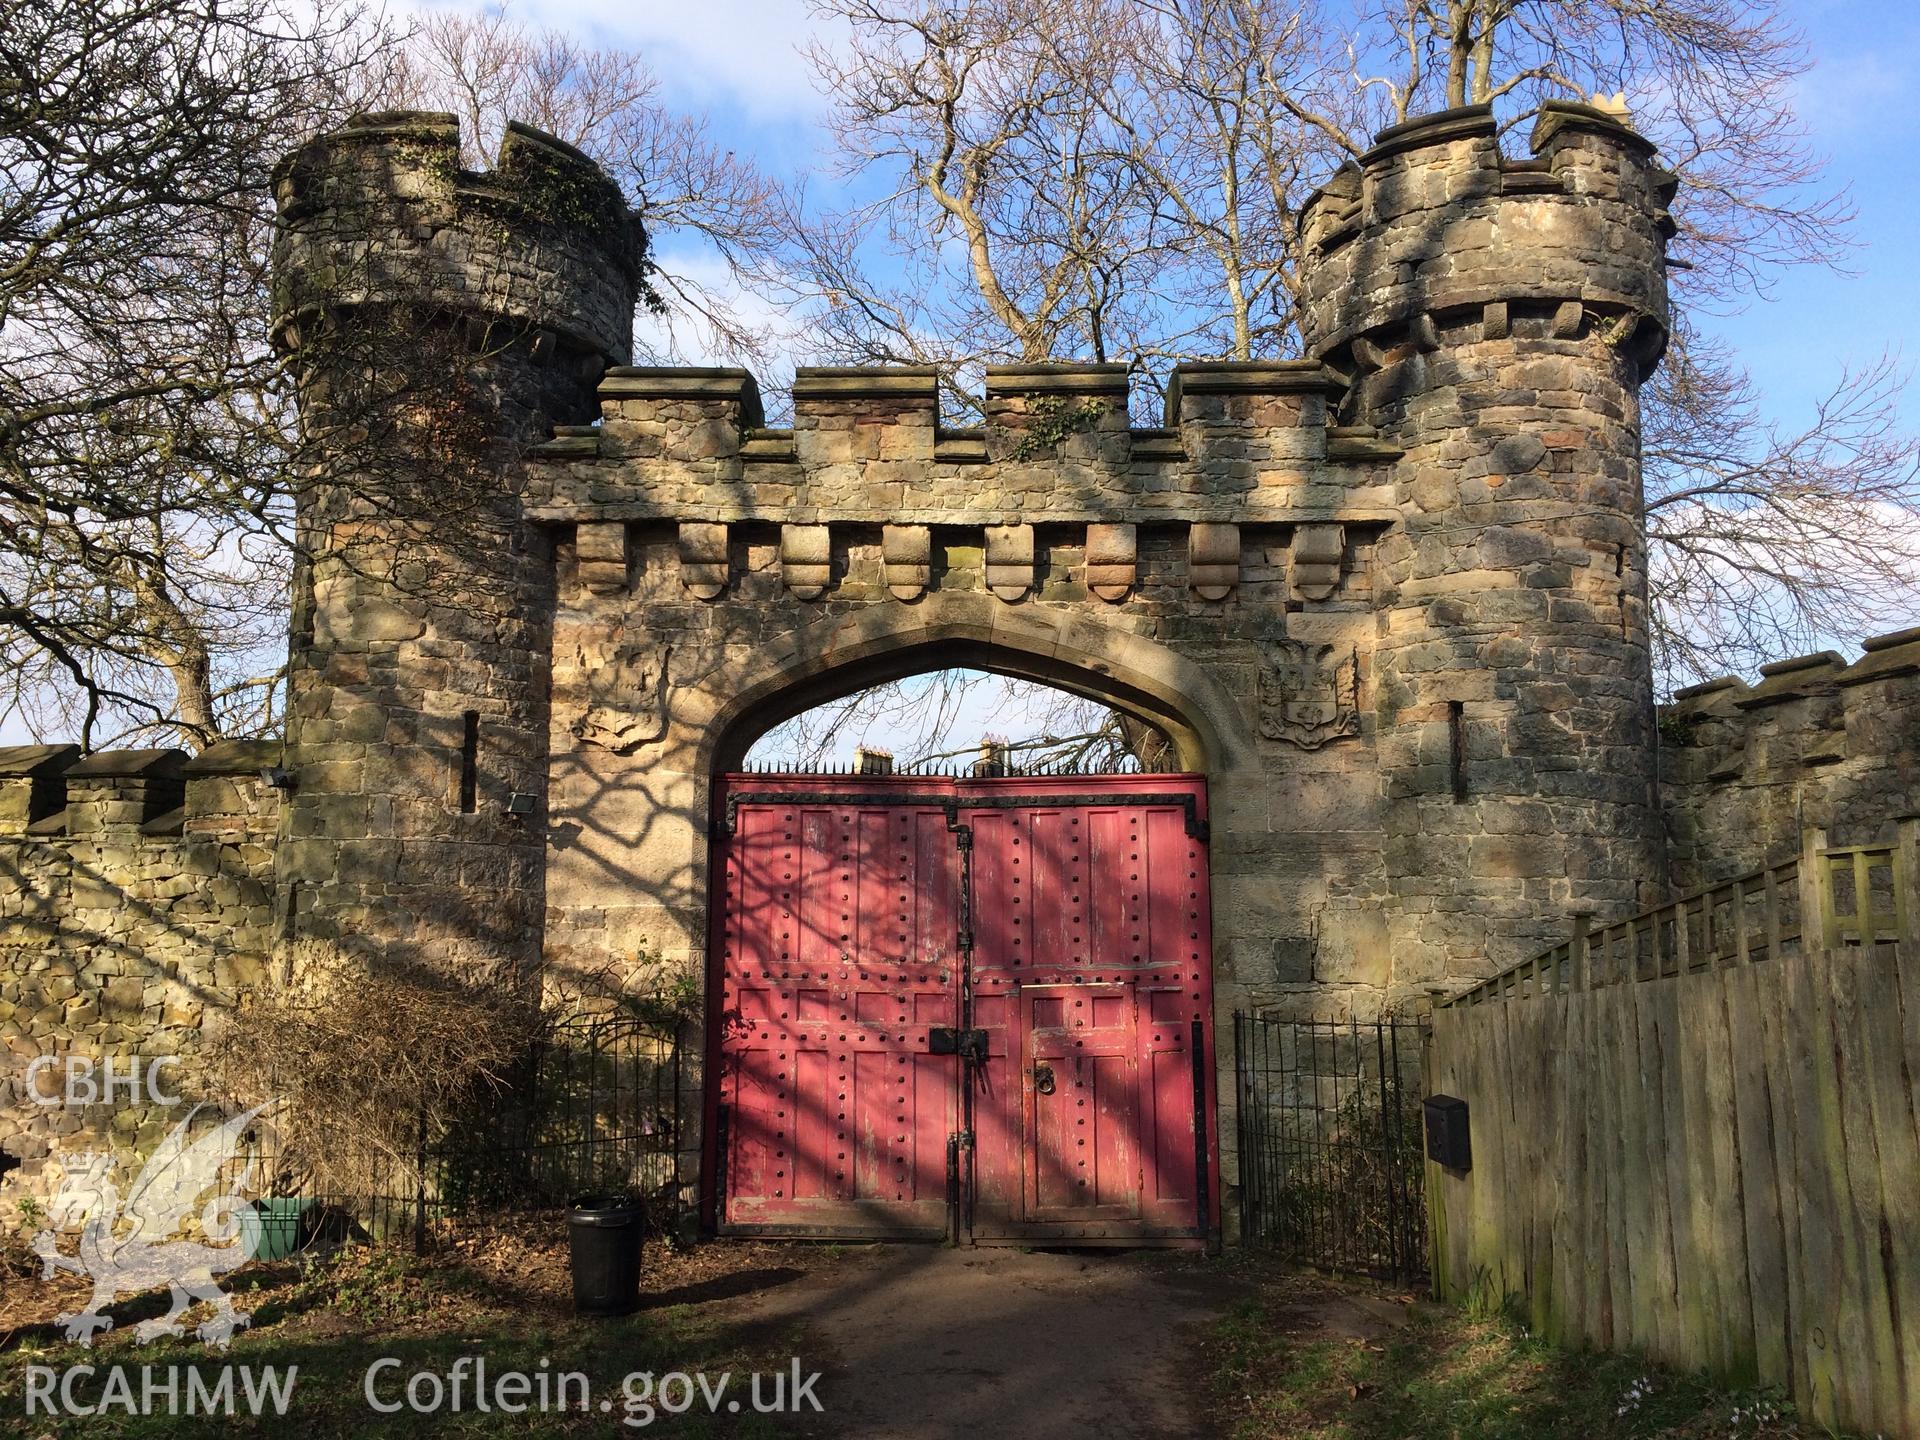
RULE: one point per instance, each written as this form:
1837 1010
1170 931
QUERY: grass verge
1308 1362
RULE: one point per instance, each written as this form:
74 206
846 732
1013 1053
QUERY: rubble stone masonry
1390 598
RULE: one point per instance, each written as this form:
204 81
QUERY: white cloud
743 54
1846 92
687 340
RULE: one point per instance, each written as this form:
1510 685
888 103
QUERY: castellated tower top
1433 225
380 213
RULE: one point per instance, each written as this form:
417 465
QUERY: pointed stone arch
1209 726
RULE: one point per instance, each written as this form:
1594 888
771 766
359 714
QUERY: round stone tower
439 320
1497 318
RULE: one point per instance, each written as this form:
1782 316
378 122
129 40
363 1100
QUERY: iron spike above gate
1196 826
939 769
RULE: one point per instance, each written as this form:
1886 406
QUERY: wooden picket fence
1696 1134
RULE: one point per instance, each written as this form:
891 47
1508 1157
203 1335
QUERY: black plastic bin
605 1233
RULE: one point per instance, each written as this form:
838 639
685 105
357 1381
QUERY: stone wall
418 689
136 905
1389 599
1497 317
1213 578
1817 741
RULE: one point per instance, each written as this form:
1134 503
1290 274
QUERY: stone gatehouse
1388 601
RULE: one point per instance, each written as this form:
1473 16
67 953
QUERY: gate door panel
836 956
1095 887
975 1006
1083 1159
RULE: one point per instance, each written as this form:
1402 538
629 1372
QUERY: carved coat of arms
1309 693
626 686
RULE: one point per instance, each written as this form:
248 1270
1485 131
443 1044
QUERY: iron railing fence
1332 1163
596 1109
944 768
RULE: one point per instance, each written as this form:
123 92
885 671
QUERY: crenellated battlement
53 793
381 213
1246 473
1825 673
1242 442
1816 741
1434 228
136 909
1391 599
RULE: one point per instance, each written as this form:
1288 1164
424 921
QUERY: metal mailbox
1449 1143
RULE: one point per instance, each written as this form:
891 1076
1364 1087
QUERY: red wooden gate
978 1008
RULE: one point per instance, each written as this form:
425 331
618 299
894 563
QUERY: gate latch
968 1044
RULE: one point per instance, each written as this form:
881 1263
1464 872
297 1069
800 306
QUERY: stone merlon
1817 741
1434 224
1250 441
380 213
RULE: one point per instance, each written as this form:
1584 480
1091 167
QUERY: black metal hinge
967 1044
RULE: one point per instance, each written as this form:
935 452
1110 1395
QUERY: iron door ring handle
1043 1078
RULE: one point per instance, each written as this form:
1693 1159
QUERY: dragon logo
127 1248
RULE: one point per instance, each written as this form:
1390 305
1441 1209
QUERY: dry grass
1290 1366
500 1289
366 1064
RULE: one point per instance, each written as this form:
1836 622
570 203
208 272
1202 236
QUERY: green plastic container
271 1227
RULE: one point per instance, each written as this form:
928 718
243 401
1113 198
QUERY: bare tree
1712 82
1220 109
148 442
488 68
1764 536
143 416
1769 539
1207 122
937 718
1007 220
911 717
1111 179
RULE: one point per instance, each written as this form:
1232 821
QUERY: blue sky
738 62
1858 102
